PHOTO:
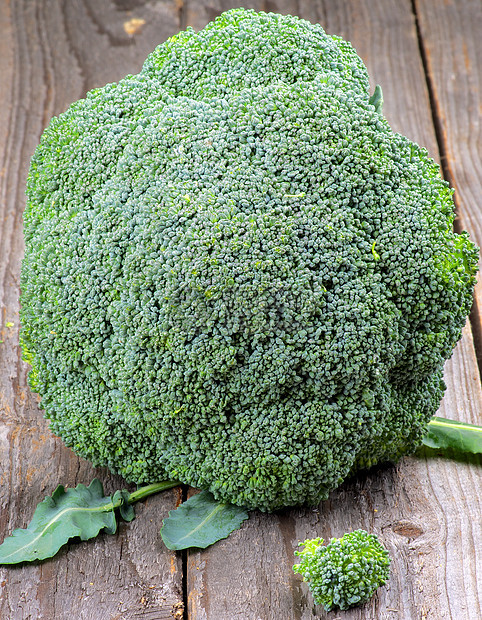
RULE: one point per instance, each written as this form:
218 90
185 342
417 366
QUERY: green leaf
377 99
200 522
81 512
458 436
121 499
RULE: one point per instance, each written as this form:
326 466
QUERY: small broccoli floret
236 275
346 572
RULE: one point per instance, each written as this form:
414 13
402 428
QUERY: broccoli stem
150 489
453 435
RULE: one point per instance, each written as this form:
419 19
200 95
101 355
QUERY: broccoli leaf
453 435
82 512
377 99
200 522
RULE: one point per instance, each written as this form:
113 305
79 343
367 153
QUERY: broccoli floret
346 572
236 275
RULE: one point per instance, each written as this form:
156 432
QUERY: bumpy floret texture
236 275
346 572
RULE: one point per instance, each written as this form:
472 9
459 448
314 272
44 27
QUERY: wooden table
427 55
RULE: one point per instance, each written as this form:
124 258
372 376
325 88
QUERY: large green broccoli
236 275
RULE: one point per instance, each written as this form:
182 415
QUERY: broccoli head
346 572
236 275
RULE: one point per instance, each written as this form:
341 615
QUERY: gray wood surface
426 54
451 40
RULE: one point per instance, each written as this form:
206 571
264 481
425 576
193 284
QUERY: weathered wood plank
420 507
50 54
451 36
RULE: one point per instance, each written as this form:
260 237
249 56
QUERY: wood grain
51 53
450 31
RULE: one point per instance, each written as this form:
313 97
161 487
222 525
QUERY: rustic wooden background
427 55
